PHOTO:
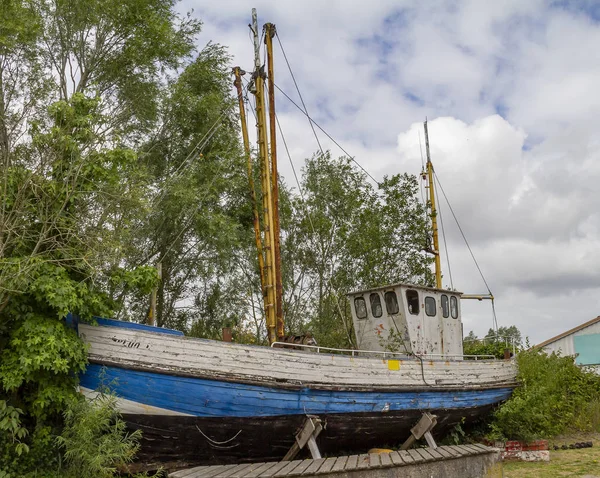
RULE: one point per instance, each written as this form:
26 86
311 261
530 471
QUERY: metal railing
380 353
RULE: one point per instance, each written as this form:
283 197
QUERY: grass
583 462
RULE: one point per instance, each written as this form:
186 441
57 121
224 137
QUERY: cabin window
376 308
430 306
391 303
360 306
412 300
454 307
445 306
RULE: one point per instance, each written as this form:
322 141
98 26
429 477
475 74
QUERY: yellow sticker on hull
394 364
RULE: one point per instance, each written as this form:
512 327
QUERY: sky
511 91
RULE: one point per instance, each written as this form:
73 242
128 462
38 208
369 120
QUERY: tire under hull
183 441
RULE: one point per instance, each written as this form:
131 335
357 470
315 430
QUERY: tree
493 344
79 87
200 214
347 235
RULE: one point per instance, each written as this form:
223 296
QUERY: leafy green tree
200 213
80 85
349 235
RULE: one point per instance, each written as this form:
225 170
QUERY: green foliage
81 84
344 234
10 425
494 343
94 440
552 395
39 362
488 347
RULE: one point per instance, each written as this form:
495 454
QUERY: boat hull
205 402
176 442
189 421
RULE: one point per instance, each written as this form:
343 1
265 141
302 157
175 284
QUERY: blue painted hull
212 398
221 422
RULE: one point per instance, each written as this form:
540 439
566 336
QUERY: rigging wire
439 211
494 317
312 226
299 94
329 136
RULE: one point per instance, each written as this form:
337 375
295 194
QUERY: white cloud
510 89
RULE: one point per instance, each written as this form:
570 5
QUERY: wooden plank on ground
374 460
445 453
450 449
185 473
340 463
424 452
475 449
274 470
207 472
436 454
314 466
289 467
406 456
300 468
362 462
222 471
397 459
328 465
351 463
385 459
465 450
416 456
238 471
258 471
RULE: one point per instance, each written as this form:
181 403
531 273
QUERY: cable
462 234
329 136
312 226
299 94
439 211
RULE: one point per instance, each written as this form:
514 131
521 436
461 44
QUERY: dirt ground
580 463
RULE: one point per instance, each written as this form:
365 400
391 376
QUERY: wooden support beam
422 429
307 436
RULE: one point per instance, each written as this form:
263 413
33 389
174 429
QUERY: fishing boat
201 401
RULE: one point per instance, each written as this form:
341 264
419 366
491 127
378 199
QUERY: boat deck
353 465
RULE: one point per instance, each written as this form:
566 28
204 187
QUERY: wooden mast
436 242
269 239
238 72
270 32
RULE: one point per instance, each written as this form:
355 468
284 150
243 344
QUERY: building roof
569 332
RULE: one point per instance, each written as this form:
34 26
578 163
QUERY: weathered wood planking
334 465
210 359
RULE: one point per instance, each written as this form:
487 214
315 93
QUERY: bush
552 398
94 439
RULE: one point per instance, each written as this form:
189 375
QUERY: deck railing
381 353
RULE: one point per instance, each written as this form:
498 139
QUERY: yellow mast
238 72
270 32
436 243
269 239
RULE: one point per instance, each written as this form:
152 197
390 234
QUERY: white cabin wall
373 333
419 333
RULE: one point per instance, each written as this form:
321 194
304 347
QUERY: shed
582 341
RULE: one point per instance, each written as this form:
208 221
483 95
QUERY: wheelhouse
408 319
